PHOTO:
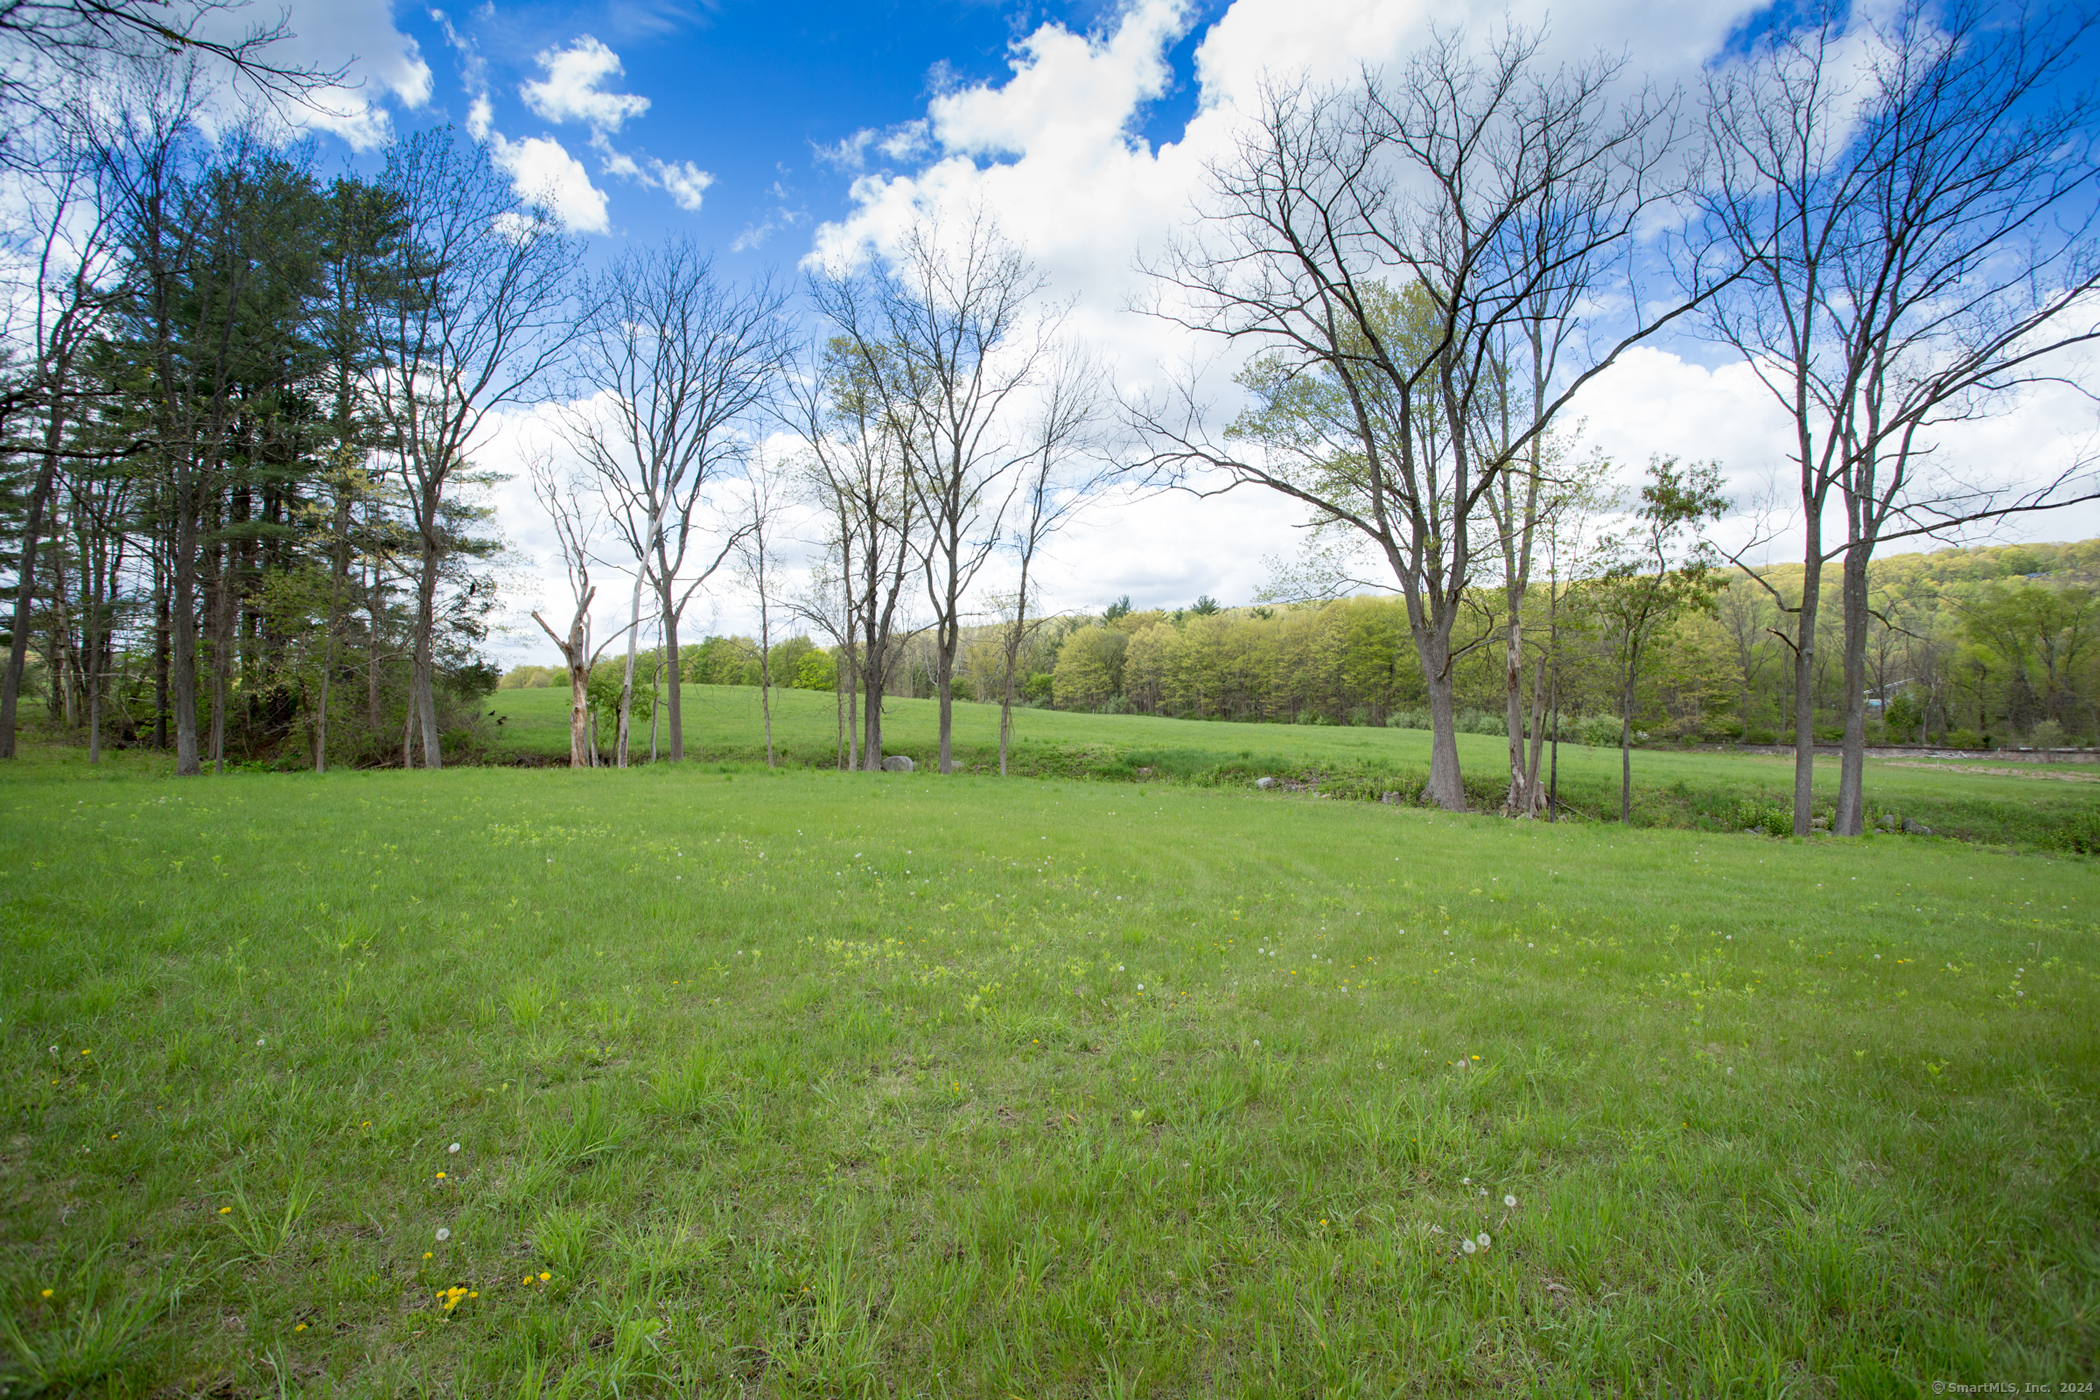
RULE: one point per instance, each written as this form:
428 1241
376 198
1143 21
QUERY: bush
1961 739
1757 814
1760 736
2046 735
1482 722
1597 731
1407 719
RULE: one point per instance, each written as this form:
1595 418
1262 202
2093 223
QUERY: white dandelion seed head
1470 1246
1484 1240
453 1148
1510 1201
443 1234
1465 1181
258 1040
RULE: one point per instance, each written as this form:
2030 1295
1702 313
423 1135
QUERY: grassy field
2046 807
503 1082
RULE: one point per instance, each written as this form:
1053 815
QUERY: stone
1912 828
896 763
1391 799
1265 783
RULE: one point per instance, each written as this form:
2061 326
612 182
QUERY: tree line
242 452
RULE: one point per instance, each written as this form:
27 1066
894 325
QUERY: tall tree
482 284
681 366
946 338
1495 193
1910 197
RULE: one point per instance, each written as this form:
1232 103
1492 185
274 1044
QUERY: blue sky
773 132
749 92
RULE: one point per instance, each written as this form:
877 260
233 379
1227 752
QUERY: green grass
819 1084
2043 807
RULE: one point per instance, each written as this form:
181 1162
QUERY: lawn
514 1082
2053 806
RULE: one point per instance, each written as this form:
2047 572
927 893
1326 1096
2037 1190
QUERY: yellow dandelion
225 1210
300 1328
545 1277
426 1254
441 1176
46 1293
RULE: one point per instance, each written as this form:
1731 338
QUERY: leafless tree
477 317
755 551
857 472
575 517
948 338
1065 472
63 244
679 364
1911 201
1383 244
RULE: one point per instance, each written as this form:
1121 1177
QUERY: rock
1888 821
1819 823
1391 799
1265 783
896 763
1911 828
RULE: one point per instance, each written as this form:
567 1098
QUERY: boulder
1265 783
1912 828
897 763
1391 799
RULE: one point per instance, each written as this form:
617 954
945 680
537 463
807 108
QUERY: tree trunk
182 577
1805 678
25 589
674 679
634 627
1852 763
1626 757
1446 785
422 678
160 652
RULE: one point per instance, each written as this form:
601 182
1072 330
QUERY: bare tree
857 471
575 519
680 364
755 552
1383 244
1911 200
478 316
1063 474
63 246
946 340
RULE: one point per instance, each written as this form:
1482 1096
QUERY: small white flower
1141 986
1465 1181
1469 1246
1484 1240
1510 1201
258 1040
1483 1190
443 1234
1119 967
1257 1045
453 1148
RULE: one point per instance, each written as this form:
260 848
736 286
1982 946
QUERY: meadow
2032 806
715 1080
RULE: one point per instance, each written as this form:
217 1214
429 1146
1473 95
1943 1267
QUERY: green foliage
1090 668
602 693
818 670
1903 716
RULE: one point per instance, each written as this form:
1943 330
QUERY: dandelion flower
45 1294
426 1254
225 1210
443 1234
545 1277
1469 1246
441 1176
1465 1181
1510 1201
1141 986
258 1040
300 1328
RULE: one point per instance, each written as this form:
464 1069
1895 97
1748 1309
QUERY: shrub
1759 814
1407 719
1760 736
1961 739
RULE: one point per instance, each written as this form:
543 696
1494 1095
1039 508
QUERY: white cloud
684 181
481 118
379 63
541 168
571 90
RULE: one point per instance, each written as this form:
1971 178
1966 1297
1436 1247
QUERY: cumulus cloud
542 169
573 91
